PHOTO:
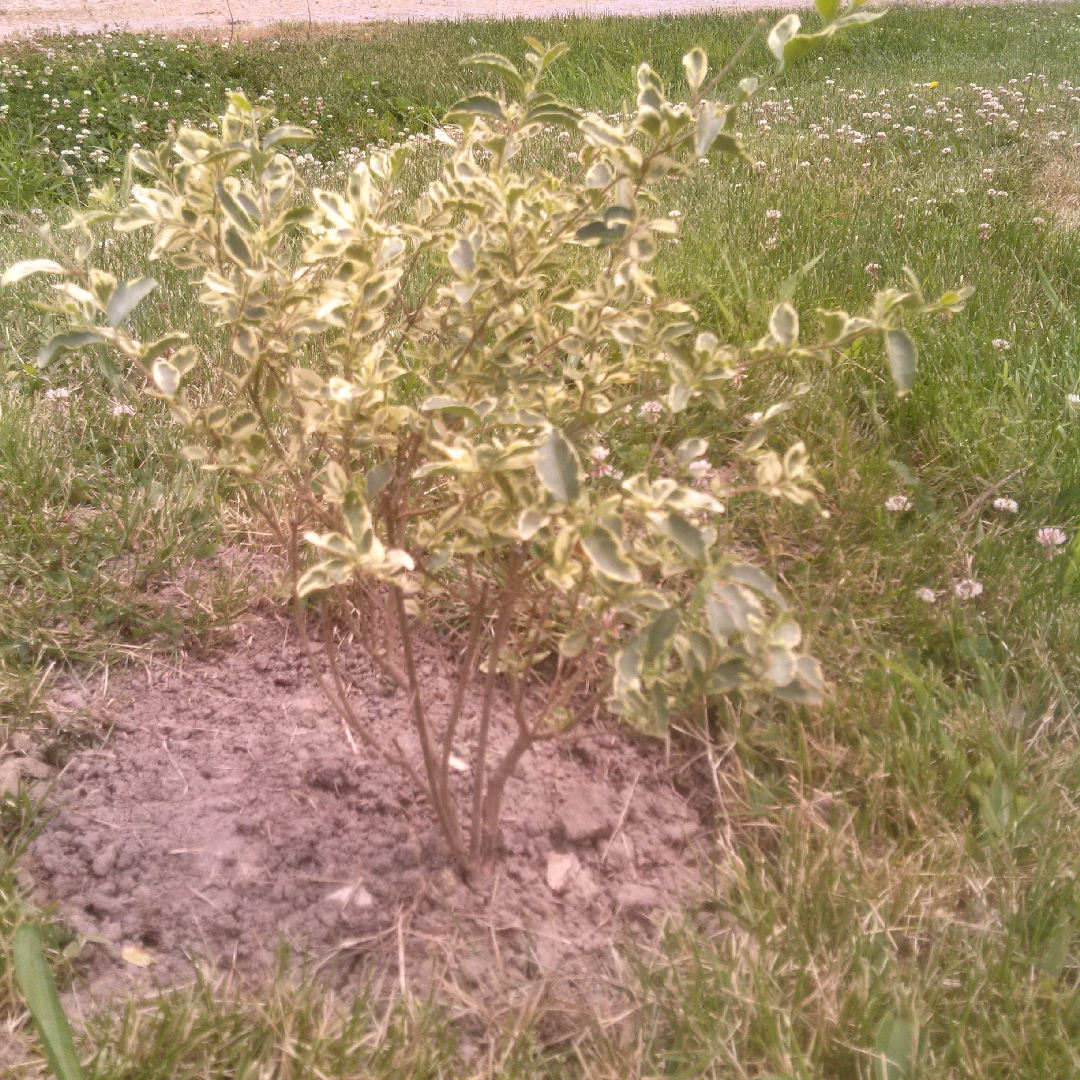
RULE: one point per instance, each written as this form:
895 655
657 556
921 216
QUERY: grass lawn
897 870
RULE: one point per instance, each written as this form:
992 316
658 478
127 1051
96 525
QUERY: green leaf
39 989
237 246
574 644
166 377
184 359
685 536
557 467
690 450
126 296
31 266
151 350
554 113
147 162
444 404
530 522
903 359
696 65
859 18
377 479
234 209
730 145
605 553
477 105
709 125
784 325
892 1049
781 34
801 44
499 64
827 9
659 633
757 580
66 342
288 133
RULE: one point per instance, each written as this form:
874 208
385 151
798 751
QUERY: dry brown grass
1058 185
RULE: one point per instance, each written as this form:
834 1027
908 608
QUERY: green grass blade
36 981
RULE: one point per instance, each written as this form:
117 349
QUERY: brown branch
445 809
506 607
465 673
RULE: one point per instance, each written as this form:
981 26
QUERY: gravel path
89 16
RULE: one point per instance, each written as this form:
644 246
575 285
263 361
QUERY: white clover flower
651 411
968 589
898 503
1073 399
1001 344
1050 537
599 453
676 214
121 408
57 397
984 230
927 595
1008 506
773 215
700 469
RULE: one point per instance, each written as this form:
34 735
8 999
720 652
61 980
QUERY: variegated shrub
418 397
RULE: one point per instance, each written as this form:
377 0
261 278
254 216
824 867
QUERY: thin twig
987 494
165 743
622 818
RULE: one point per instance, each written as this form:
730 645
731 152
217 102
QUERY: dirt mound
228 809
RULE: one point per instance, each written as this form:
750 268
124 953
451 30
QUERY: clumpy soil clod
228 809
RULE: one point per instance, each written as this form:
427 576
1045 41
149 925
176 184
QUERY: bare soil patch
227 810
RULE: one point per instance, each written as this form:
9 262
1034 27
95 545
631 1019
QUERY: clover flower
651 411
926 595
57 397
1008 506
773 215
1001 344
1051 538
968 589
898 503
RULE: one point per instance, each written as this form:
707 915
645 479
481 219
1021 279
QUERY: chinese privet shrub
415 394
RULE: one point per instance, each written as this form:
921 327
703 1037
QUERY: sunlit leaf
126 296
903 359
605 553
31 266
557 467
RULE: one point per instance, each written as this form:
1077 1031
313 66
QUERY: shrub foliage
419 397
